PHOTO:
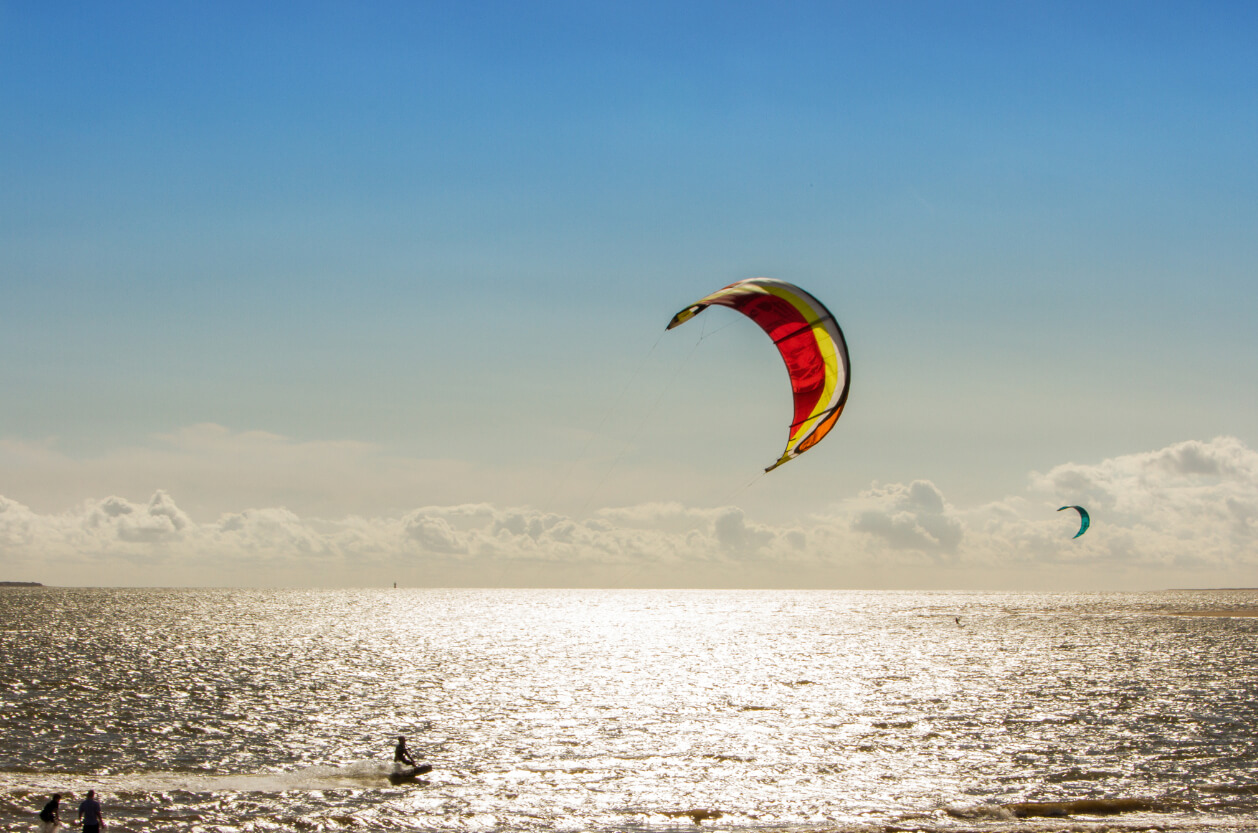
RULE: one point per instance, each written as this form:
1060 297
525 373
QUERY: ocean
603 710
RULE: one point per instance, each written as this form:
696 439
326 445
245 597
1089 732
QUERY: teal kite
1083 516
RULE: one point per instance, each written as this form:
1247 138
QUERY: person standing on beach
89 813
49 817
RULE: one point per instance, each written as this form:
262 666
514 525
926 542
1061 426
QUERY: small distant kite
1083 516
811 344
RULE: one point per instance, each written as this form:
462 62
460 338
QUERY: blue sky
372 260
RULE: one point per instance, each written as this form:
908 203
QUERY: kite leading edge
811 344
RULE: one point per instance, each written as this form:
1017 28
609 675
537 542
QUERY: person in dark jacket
50 816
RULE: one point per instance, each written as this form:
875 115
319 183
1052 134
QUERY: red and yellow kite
811 344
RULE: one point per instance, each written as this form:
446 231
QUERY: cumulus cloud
1189 503
265 533
909 517
124 535
434 535
736 535
1189 506
18 525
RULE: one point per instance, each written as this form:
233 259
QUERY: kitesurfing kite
1083 516
811 344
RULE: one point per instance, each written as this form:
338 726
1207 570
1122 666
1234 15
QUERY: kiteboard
409 776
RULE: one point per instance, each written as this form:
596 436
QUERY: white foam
353 775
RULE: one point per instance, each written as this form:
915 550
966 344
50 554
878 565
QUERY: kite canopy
811 344
1083 516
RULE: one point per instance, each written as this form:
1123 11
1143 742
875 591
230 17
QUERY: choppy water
220 710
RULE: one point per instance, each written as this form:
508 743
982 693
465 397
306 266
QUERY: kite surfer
405 770
401 755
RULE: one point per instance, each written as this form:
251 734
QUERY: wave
352 775
1059 809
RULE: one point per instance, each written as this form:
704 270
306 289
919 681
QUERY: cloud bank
1186 513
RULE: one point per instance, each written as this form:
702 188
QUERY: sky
348 294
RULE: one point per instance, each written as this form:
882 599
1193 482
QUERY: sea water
268 710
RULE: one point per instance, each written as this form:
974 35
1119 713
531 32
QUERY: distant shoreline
1222 612
20 584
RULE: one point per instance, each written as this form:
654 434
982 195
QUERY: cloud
1190 473
735 535
909 517
434 535
1190 503
263 533
1190 509
19 526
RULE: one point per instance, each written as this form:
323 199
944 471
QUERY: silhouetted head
91 793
